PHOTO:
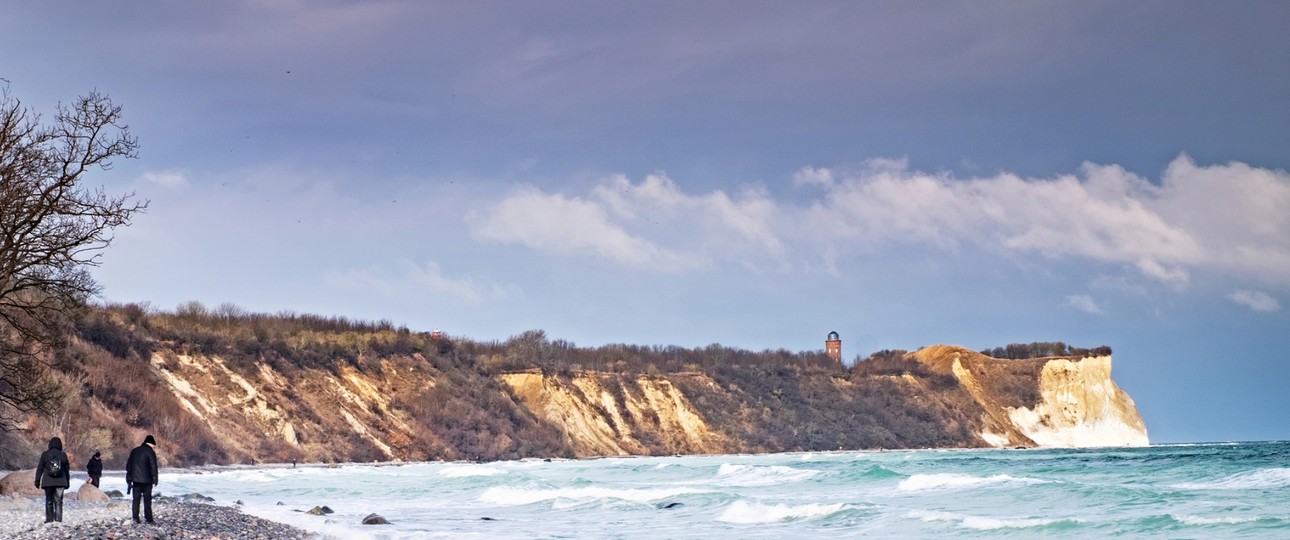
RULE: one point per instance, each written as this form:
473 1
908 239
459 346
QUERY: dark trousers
95 480
53 504
142 491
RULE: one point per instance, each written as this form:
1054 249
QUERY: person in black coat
141 477
95 468
54 474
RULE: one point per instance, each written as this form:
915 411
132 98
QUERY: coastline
23 518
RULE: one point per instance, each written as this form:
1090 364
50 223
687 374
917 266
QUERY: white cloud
1083 302
1176 277
1232 219
418 281
1255 300
811 176
166 179
572 225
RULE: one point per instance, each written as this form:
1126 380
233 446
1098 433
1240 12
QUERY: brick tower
833 346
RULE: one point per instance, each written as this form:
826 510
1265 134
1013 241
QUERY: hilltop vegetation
429 398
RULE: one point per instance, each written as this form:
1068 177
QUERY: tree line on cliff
762 401
767 401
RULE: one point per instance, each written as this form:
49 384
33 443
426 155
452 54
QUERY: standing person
95 469
54 474
141 476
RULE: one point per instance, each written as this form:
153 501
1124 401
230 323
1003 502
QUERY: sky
753 174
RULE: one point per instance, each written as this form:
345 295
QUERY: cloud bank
1231 218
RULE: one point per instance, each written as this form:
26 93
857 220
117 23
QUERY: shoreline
23 518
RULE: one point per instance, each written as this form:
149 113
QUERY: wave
873 472
746 512
989 523
752 475
1276 477
1200 520
925 482
462 471
512 496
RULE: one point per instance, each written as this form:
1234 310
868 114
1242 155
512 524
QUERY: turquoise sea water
1234 490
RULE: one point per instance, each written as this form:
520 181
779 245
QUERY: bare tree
52 230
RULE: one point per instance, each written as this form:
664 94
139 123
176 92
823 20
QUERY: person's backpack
54 467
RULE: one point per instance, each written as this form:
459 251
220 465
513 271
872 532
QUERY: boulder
88 492
115 494
375 519
20 484
70 495
197 497
316 511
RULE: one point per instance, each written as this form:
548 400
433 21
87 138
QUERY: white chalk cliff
1077 405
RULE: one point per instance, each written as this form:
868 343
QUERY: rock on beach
175 521
20 483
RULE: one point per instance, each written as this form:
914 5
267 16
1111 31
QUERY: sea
1220 490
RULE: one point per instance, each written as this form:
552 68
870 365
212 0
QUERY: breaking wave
746 512
924 482
464 472
750 475
512 496
1274 478
1200 520
988 523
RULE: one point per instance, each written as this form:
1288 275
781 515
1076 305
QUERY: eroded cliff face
316 413
1054 402
437 403
1081 406
1047 402
603 414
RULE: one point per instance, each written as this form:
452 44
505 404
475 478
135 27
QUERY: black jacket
94 467
45 478
141 468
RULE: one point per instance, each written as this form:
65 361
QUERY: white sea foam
987 524
932 515
752 475
462 471
981 523
924 482
513 496
1200 520
1276 477
746 512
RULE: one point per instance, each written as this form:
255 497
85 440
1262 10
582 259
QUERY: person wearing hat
95 468
54 475
141 477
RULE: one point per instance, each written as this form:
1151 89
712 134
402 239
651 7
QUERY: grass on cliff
767 401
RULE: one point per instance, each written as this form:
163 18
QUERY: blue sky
746 173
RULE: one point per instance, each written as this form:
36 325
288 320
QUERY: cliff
1050 402
268 390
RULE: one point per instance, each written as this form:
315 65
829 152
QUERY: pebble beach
23 518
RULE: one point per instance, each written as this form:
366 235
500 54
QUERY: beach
22 518
1209 490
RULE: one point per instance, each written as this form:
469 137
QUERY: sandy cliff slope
604 414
